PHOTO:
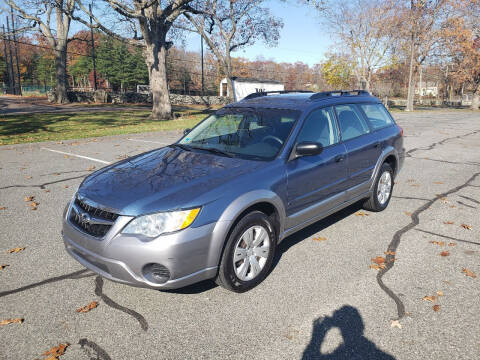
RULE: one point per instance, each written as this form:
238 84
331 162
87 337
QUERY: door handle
339 158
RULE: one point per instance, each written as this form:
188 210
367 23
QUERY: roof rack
265 93
325 94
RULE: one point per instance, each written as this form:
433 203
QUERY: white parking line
79 156
150 141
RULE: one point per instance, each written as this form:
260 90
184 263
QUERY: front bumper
191 255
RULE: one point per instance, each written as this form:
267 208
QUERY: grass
16 129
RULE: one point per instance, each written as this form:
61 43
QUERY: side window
351 122
377 115
320 127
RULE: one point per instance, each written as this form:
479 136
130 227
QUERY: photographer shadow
355 345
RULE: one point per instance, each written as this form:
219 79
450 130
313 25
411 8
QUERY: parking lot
324 299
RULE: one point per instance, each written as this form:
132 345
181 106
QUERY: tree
422 26
42 13
462 40
153 19
364 29
229 25
337 71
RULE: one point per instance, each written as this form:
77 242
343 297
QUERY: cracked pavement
322 300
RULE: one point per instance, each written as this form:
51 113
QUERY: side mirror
307 148
186 131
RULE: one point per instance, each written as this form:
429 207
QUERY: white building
246 86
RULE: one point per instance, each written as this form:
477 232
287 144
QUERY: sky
301 38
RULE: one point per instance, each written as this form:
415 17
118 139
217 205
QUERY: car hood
161 180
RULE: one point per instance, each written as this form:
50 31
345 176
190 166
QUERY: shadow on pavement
355 345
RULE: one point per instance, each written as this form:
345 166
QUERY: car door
362 145
315 183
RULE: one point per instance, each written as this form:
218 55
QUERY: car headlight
165 222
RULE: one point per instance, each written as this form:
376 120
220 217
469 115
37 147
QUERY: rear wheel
382 190
248 254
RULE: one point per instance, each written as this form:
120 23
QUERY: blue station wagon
215 204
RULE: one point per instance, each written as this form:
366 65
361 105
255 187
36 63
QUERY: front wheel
382 190
248 254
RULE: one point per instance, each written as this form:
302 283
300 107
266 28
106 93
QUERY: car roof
302 100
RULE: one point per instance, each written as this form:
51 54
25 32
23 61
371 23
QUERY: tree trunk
155 57
475 101
61 75
229 74
411 77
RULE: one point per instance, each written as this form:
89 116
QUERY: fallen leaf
408 213
15 250
3 266
452 244
416 185
11 321
29 198
56 352
88 307
436 308
46 190
29 177
438 182
439 243
361 213
2 207
430 298
377 267
389 252
378 260
33 205
91 168
66 186
65 156
452 206
467 227
445 253
395 323
448 222
439 293
320 238
469 273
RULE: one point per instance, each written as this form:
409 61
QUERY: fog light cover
156 273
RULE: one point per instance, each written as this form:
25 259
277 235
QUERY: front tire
382 191
248 253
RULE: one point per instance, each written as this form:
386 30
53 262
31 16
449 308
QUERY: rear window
377 115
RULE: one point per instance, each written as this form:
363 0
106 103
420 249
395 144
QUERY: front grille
91 220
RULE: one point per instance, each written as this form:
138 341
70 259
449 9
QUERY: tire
377 202
232 274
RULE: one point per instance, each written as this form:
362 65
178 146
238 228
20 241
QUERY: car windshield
246 133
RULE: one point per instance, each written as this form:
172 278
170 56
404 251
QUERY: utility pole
201 47
93 51
11 57
16 54
7 65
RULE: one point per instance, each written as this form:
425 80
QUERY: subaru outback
216 204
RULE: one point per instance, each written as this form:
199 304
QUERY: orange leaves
407 213
466 227
3 266
320 238
11 321
448 222
469 273
15 250
87 308
430 298
56 351
29 198
436 307
389 252
380 262
361 213
445 253
2 207
452 244
439 243
438 182
440 293
33 203
91 168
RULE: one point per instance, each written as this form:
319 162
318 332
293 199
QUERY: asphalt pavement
322 300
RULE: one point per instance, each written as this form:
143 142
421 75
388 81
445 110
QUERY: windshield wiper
215 151
181 146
